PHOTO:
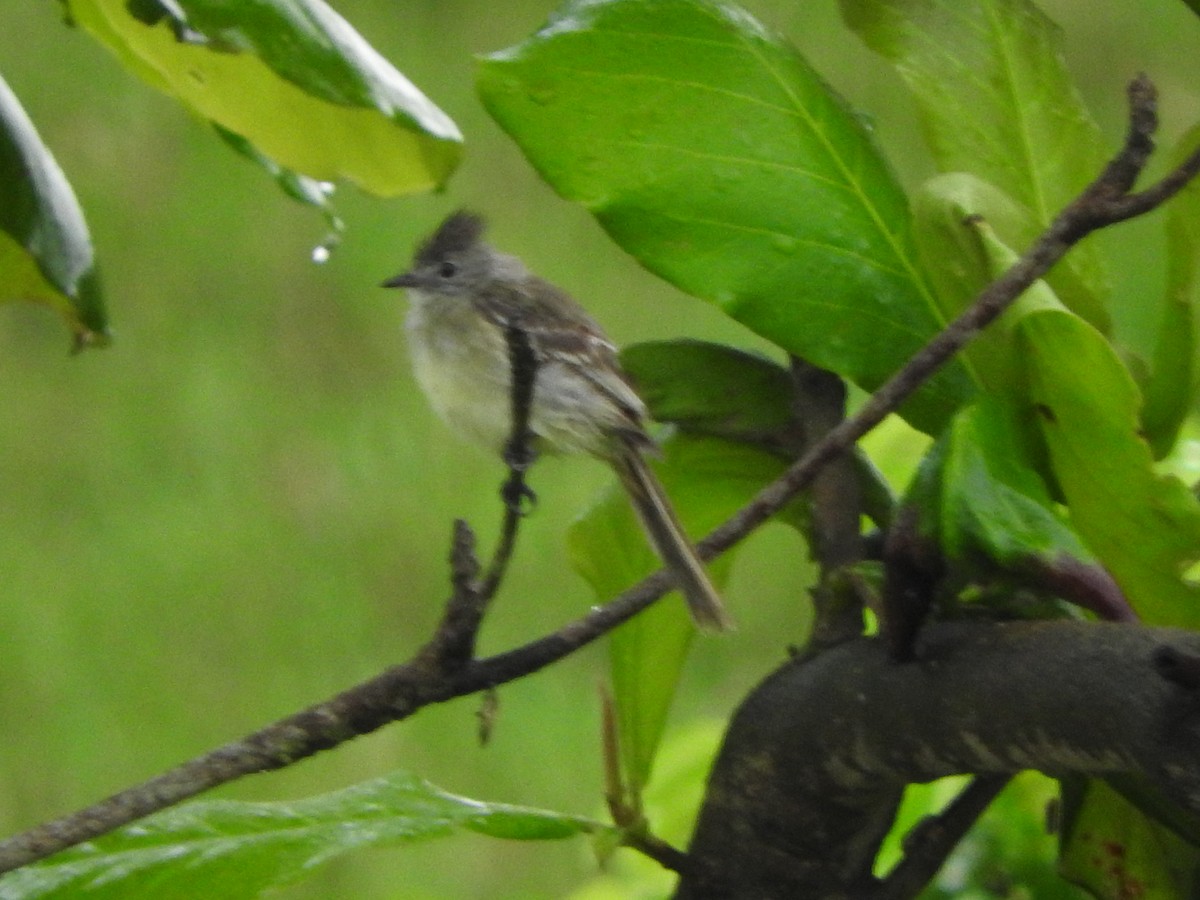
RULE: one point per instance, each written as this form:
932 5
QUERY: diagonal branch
403 689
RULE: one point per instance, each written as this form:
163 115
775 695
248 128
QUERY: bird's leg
518 456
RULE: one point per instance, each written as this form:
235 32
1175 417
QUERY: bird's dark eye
448 269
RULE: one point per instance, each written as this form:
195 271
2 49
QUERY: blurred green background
243 505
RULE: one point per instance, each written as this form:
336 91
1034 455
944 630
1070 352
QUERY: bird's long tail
670 542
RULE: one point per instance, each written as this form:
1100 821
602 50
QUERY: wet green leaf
1144 527
292 78
993 500
231 849
45 249
712 389
1175 366
981 496
997 101
969 233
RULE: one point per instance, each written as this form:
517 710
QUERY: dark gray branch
816 759
929 844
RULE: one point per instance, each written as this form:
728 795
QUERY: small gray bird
465 297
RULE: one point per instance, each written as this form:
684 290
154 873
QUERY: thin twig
616 794
404 689
625 805
453 642
931 841
666 855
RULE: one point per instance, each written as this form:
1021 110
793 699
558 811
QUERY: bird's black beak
403 280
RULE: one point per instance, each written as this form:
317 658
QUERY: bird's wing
561 331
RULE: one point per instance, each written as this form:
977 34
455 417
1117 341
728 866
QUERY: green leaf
1161 805
715 390
997 101
1175 367
994 513
707 479
292 78
230 849
992 499
967 232
45 248
712 389
1143 526
964 229
710 150
994 93
1115 851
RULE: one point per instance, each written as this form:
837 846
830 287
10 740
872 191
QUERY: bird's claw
517 495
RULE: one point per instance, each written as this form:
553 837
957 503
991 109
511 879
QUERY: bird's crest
459 232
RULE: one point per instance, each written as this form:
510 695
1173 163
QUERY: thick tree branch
816 759
402 690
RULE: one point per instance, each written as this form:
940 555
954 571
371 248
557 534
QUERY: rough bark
816 759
